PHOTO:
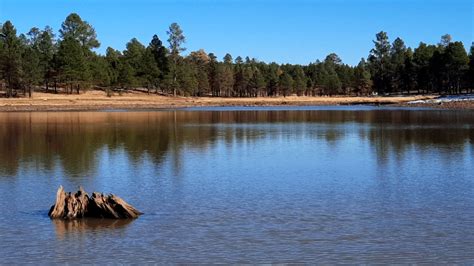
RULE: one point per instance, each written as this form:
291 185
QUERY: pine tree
398 54
187 82
257 83
10 58
227 59
331 81
213 75
46 48
225 80
438 70
151 72
73 66
299 79
285 84
30 64
457 64
78 37
363 82
77 29
470 73
160 55
134 57
408 74
421 63
112 57
379 61
272 78
176 40
242 76
202 81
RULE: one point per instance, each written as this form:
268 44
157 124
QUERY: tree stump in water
80 205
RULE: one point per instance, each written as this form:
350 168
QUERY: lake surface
238 185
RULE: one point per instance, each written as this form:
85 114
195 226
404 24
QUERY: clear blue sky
285 31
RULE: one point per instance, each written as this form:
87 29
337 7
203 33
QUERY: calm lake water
236 185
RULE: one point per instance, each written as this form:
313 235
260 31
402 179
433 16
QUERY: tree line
40 60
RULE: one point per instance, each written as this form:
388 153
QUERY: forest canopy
66 61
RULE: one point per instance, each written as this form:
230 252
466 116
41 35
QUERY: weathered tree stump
80 205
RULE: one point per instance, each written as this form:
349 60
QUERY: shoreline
98 101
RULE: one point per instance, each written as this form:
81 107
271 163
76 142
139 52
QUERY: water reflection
84 226
283 186
74 140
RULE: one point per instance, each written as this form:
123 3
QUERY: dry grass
98 100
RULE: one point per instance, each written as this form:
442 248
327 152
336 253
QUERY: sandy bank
98 100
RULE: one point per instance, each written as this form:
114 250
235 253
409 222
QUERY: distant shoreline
98 101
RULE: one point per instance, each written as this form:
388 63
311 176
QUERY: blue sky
298 31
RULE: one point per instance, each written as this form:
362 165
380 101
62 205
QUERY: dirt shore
98 100
465 105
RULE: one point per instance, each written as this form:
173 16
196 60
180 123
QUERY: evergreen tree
363 82
333 84
300 81
201 63
239 60
421 63
125 77
227 59
272 78
470 73
187 82
285 84
76 29
242 76
160 55
408 74
333 59
213 75
379 61
78 37
202 81
257 83
345 75
457 63
134 55
225 80
321 79
72 63
398 58
10 58
112 58
438 70
98 68
30 64
176 40
151 72
331 81
45 47
445 40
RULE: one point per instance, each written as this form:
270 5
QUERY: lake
243 185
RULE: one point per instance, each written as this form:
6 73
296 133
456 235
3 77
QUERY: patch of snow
446 98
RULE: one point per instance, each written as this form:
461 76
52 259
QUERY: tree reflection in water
73 140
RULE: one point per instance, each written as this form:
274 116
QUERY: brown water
237 185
